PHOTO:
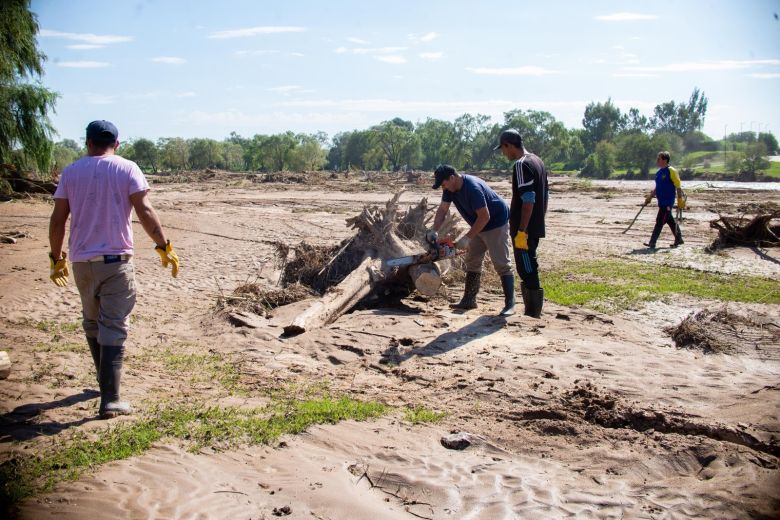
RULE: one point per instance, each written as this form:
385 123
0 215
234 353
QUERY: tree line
608 140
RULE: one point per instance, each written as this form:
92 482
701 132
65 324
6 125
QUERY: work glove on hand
521 240
463 242
681 202
168 256
648 198
431 236
58 270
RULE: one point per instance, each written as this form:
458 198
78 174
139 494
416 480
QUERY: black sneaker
677 242
649 245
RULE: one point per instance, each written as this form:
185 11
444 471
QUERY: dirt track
580 412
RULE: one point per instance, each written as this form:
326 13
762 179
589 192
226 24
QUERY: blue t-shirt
665 186
476 194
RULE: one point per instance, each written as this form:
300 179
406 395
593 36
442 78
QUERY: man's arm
148 217
57 227
483 217
441 214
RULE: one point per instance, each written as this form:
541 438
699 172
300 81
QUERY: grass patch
420 414
54 326
197 425
61 346
200 368
614 285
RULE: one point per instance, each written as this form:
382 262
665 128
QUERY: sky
174 68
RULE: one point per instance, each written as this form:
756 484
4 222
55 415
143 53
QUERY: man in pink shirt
99 192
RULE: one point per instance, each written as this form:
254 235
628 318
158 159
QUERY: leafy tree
755 158
639 150
276 151
602 122
769 141
146 154
474 134
683 118
438 143
233 155
24 106
308 153
481 153
601 163
204 153
64 153
542 133
398 142
175 153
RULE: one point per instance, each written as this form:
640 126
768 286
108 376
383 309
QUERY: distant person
530 192
98 192
488 215
667 183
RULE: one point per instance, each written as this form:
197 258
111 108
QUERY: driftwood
336 301
381 234
21 184
739 231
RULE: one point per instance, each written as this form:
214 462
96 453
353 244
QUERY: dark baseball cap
442 173
510 136
102 132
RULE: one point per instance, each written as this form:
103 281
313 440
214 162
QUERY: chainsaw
438 249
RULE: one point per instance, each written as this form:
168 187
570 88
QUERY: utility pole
725 141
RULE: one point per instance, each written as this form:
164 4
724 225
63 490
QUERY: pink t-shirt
98 191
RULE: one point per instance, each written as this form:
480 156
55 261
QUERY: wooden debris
5 365
739 231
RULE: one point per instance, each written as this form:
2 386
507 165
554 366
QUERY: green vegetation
61 346
614 285
420 414
198 426
208 367
54 326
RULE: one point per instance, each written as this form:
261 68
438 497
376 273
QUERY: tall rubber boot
110 378
94 349
535 303
678 239
508 284
524 294
469 300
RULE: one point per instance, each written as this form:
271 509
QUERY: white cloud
358 41
528 70
765 75
93 39
705 66
284 88
457 107
427 37
393 58
84 46
297 54
370 50
254 31
186 94
170 60
83 64
431 55
625 17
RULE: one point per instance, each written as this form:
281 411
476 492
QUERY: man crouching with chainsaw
488 215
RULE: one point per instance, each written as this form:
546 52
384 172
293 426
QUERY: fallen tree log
337 300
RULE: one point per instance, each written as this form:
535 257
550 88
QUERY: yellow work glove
521 240
58 270
681 202
648 198
168 256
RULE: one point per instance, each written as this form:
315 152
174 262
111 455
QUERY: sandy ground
578 414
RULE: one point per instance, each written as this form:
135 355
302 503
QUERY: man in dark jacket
530 192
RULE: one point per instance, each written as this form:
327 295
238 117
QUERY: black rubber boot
535 302
110 376
524 294
678 239
508 284
469 300
94 349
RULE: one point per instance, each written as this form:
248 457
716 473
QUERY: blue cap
102 132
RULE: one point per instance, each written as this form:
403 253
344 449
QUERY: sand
577 414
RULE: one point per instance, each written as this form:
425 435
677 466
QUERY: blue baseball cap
102 132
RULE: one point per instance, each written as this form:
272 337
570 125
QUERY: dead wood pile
725 332
17 183
758 231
